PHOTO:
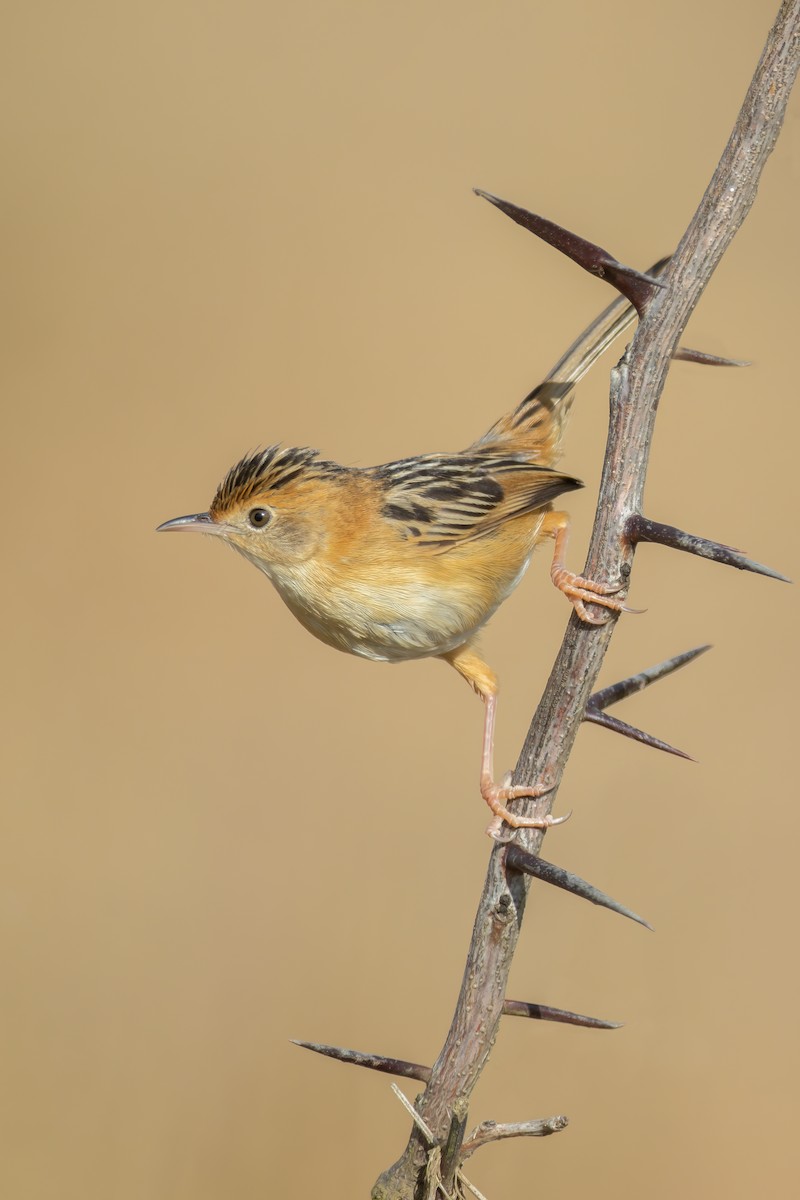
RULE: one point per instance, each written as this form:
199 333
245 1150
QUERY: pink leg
576 588
494 794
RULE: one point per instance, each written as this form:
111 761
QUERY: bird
410 559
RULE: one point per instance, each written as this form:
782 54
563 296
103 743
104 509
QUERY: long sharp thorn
543 1012
642 529
684 354
521 860
598 717
635 683
375 1062
636 286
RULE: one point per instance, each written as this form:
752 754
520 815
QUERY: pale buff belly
392 621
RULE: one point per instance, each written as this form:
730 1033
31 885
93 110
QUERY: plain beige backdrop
230 224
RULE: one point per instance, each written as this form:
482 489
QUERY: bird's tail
536 425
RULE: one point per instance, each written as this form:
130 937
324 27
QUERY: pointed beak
200 522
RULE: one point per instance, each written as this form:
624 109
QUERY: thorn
636 286
642 529
542 1012
684 354
530 864
597 717
636 683
376 1062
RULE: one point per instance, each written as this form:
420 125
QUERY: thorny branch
636 386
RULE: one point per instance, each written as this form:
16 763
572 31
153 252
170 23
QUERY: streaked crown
265 471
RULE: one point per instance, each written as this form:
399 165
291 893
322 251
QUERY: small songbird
411 559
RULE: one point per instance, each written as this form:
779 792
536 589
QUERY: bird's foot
581 591
496 795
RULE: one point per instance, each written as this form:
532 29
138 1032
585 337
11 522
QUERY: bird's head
265 507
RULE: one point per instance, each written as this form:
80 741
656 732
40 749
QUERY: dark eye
259 517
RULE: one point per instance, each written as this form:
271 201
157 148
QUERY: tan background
228 224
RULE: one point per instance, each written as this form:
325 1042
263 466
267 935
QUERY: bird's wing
441 500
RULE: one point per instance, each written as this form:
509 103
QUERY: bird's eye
259 517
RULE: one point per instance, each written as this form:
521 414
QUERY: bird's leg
578 590
483 680
495 794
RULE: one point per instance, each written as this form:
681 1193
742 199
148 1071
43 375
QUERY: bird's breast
393 614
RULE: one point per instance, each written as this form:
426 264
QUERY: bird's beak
200 522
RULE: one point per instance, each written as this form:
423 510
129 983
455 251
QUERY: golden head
264 506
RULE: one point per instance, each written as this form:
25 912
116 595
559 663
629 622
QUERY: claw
495 827
580 609
496 795
494 830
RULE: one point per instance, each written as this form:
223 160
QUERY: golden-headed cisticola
411 559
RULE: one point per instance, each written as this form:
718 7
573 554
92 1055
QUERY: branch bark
636 386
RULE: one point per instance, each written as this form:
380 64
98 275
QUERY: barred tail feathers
537 423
